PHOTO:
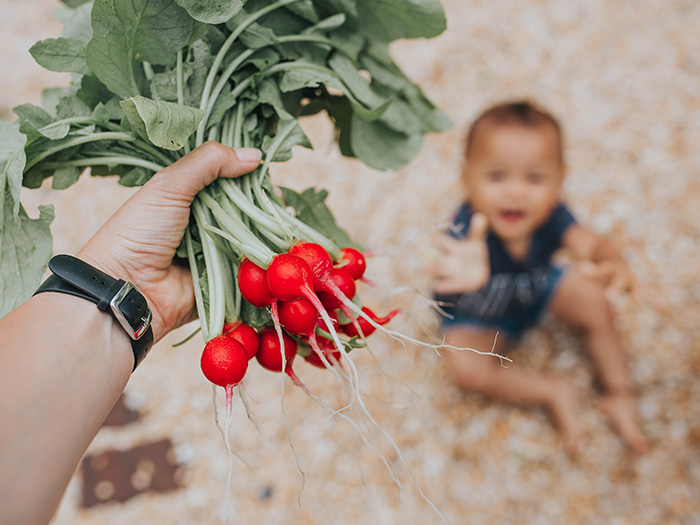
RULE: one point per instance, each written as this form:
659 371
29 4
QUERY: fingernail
248 154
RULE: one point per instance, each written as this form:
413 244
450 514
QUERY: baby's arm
609 265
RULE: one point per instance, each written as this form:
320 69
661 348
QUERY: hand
463 265
617 279
138 242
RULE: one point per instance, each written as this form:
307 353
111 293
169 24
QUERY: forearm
63 364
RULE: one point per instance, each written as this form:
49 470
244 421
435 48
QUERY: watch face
132 311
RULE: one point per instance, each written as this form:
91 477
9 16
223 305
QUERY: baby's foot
565 412
622 412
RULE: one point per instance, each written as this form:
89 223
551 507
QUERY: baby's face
514 176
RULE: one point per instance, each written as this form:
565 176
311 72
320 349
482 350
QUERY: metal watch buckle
115 303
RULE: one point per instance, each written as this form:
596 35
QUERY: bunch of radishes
310 300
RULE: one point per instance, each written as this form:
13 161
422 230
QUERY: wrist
114 298
96 257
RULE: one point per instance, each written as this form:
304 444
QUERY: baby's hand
463 265
618 280
615 277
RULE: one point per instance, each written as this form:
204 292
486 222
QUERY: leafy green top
154 78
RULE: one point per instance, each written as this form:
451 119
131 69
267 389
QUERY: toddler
496 274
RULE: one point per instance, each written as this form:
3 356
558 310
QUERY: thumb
199 168
478 227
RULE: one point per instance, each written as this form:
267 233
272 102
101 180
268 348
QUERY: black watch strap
128 306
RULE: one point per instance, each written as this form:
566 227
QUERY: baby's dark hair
520 112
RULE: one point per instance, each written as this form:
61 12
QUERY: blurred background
624 79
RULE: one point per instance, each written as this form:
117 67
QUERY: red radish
338 280
245 335
365 326
298 317
252 282
224 361
229 326
270 354
329 351
315 256
334 319
355 262
289 277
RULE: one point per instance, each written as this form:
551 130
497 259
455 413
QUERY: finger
445 243
444 286
619 284
199 168
589 269
478 227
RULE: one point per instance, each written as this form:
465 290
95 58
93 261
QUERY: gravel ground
624 77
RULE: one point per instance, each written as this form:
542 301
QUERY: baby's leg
484 374
581 301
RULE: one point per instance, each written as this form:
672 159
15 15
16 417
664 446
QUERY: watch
128 306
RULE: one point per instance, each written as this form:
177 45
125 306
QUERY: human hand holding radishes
463 265
139 241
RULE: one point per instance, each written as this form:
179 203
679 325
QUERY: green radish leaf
388 76
351 42
64 55
256 36
225 101
26 247
50 97
380 147
72 106
254 316
304 9
299 78
289 134
355 82
262 59
307 74
93 92
348 7
165 124
77 23
109 111
34 121
199 31
199 61
75 3
269 93
12 162
327 24
281 21
129 176
212 11
126 33
65 177
401 118
340 110
135 177
311 209
164 85
388 20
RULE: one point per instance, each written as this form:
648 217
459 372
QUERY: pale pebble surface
624 79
